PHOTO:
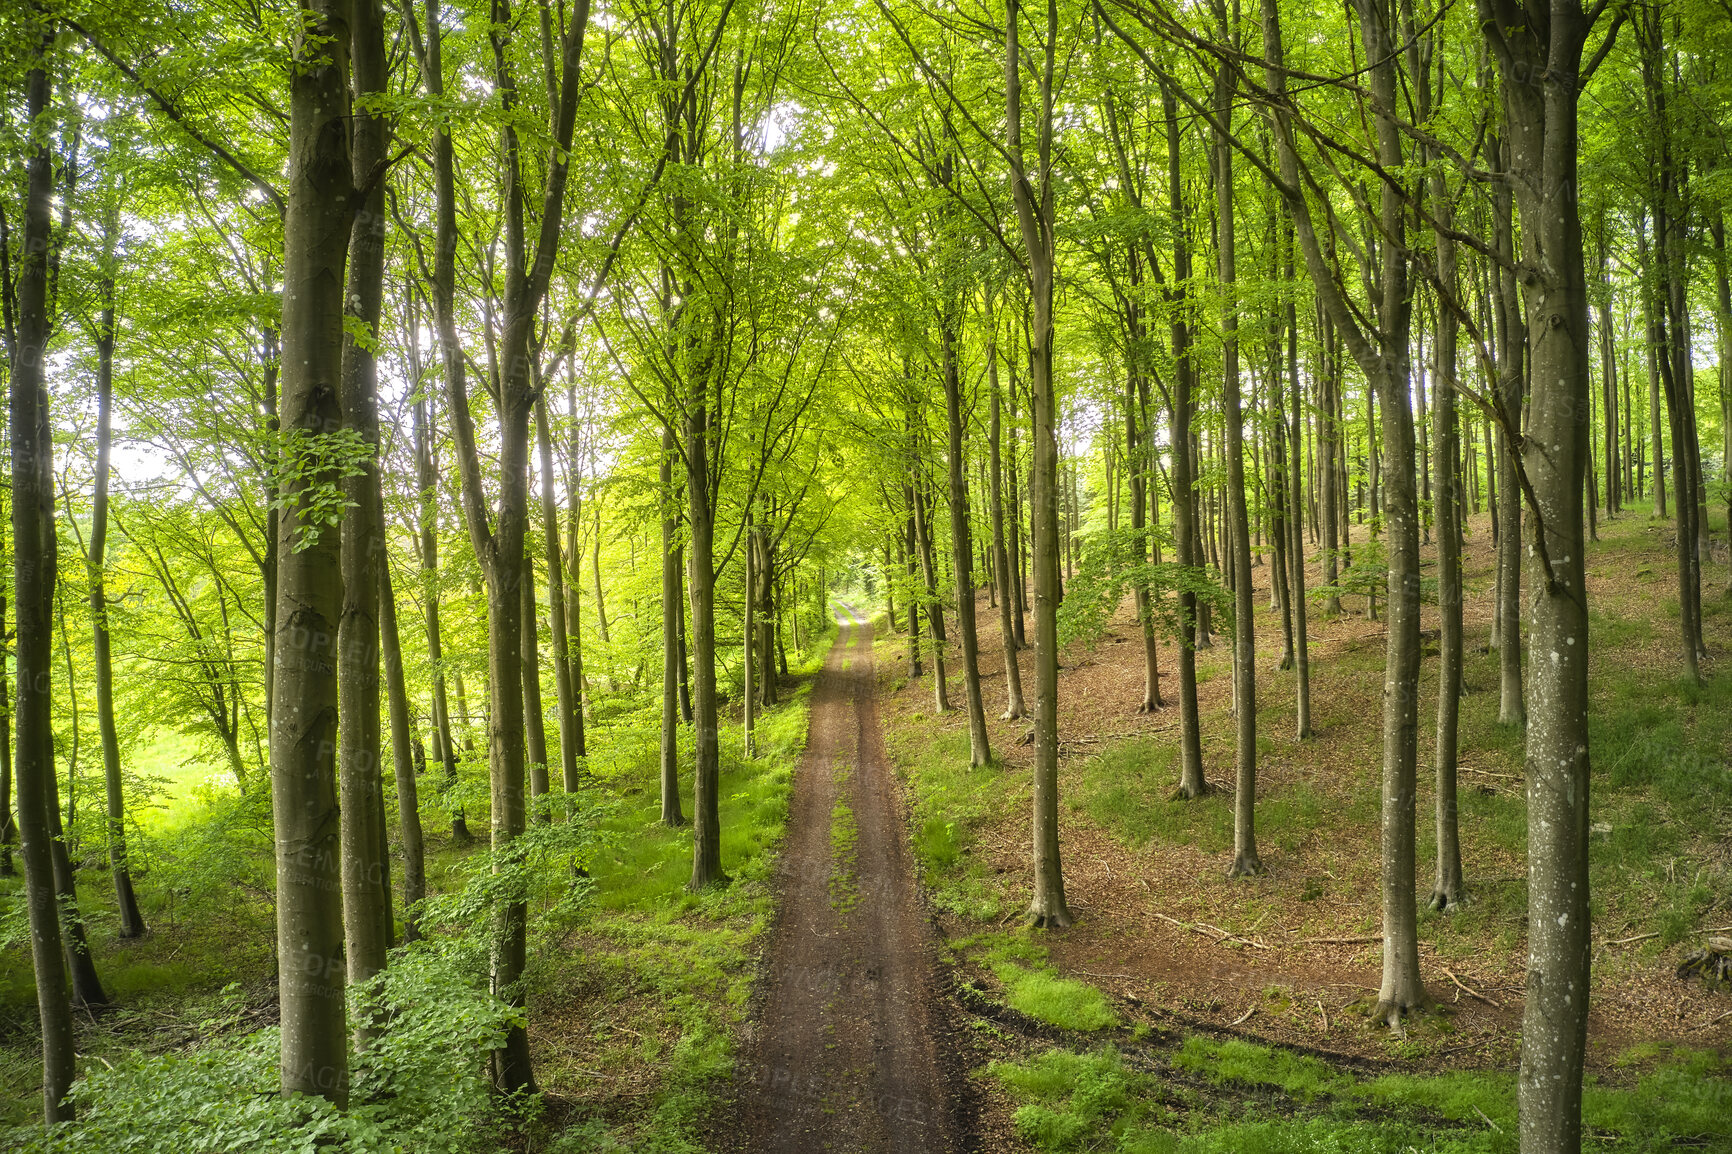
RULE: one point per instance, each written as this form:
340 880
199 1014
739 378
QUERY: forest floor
1166 946
850 1048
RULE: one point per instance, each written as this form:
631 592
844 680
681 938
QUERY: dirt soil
850 1045
1293 957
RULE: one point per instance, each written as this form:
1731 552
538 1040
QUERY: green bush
418 1087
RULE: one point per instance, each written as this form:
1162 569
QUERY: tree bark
1035 219
673 637
1014 707
33 572
126 901
1182 474
403 759
706 815
1542 118
1511 376
565 685
1383 356
929 593
1246 861
529 666
304 736
1296 517
962 551
1448 889
367 920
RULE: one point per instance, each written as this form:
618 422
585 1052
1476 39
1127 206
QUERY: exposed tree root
1247 865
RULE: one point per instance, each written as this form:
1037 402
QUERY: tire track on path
848 1051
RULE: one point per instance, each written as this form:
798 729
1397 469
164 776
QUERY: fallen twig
1489 772
1245 1017
1325 1014
1627 941
1488 1121
1219 935
1711 1021
1470 992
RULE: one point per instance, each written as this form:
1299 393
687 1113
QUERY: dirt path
848 1051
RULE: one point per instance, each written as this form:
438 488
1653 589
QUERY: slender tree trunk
1512 374
367 919
1296 518
1246 861
961 553
1448 889
304 736
706 816
403 759
673 636
126 902
8 830
1328 386
1036 219
451 353
929 594
1014 541
534 720
33 550
1183 470
565 685
1014 707
1383 356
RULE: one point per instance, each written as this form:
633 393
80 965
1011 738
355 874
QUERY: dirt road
848 1052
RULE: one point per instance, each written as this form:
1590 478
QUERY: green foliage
310 476
1117 562
419 1087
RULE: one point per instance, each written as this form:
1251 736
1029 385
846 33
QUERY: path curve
848 1051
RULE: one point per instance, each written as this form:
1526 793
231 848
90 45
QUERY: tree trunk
673 636
1542 122
706 816
1014 707
961 554
1013 540
534 721
1182 476
451 353
1036 219
8 830
1246 861
1448 889
126 902
1383 356
366 883
304 736
929 594
565 684
1296 518
33 570
403 759
1511 373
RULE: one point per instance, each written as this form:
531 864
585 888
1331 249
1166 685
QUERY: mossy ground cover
1199 1095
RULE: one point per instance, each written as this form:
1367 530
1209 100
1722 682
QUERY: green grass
949 801
663 979
1062 1002
1266 1099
